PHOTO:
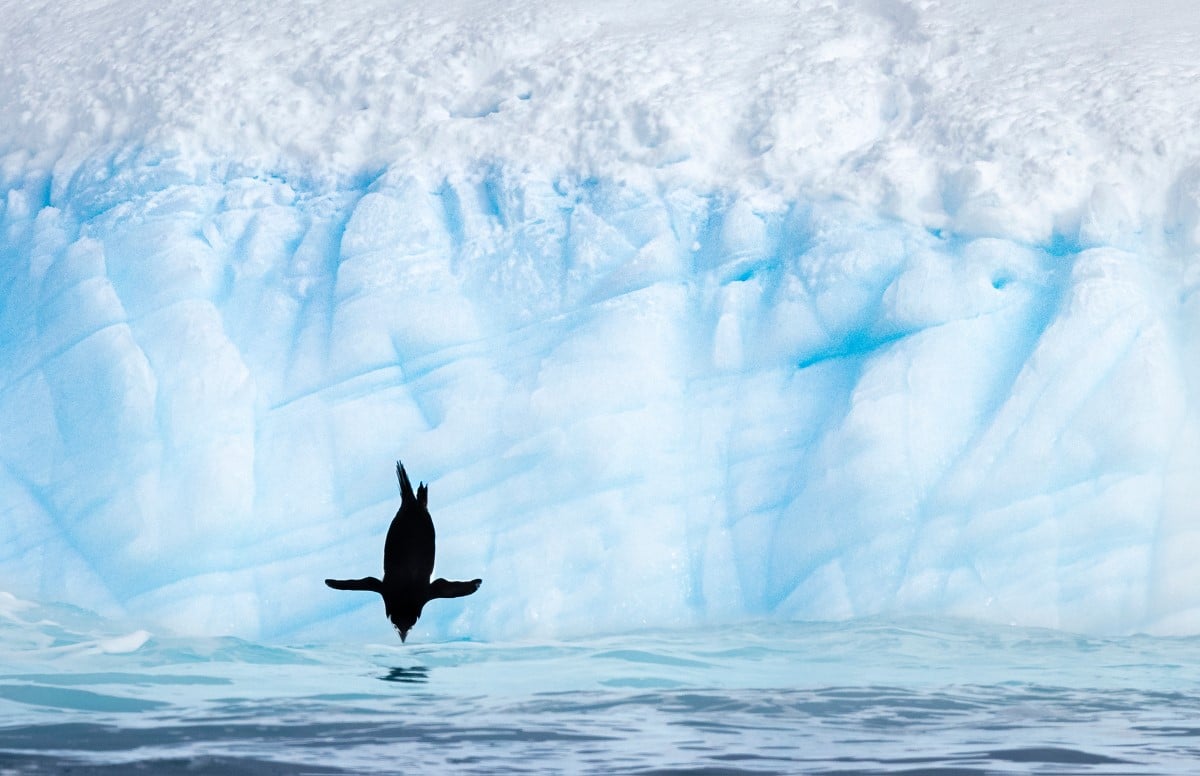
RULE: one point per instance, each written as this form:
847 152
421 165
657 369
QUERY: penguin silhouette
408 562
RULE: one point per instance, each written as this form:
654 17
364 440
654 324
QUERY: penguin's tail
406 489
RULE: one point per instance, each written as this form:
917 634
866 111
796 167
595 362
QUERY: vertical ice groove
1038 313
311 279
453 217
327 301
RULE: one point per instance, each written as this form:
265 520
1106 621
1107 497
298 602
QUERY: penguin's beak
403 634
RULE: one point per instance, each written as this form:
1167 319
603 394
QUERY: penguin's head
403 622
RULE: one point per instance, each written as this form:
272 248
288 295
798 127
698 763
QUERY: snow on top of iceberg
1019 119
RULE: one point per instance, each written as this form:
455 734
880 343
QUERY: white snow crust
690 313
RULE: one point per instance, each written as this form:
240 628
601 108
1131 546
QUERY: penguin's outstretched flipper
366 583
442 588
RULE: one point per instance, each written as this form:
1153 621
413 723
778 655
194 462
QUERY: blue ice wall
635 408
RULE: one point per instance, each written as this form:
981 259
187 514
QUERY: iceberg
803 311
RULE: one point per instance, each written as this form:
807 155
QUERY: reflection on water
409 675
861 697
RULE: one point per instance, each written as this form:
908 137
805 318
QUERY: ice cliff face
799 313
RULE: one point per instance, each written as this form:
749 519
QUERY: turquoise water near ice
868 696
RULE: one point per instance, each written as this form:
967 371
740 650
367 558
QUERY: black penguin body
408 554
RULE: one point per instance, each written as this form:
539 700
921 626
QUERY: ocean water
868 696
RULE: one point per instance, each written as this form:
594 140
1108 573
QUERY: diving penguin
408 562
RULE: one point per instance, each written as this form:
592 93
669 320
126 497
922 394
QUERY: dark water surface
941 697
